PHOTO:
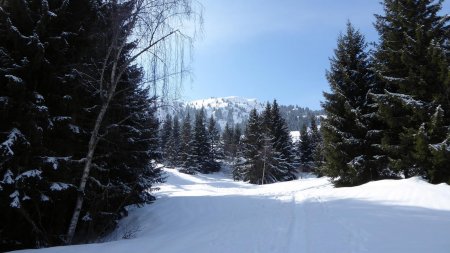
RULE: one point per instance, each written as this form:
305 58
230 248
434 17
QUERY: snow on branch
407 100
15 201
29 174
7 178
14 79
445 145
6 148
58 186
54 161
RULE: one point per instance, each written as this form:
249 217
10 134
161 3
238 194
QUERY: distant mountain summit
235 110
232 110
223 102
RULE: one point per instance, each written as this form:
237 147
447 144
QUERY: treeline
267 152
77 125
192 147
237 112
263 153
388 112
296 116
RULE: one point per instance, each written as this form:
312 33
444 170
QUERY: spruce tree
166 133
175 142
409 66
228 141
214 139
52 55
267 149
317 145
187 162
236 141
349 155
267 119
250 169
305 149
282 146
39 131
201 151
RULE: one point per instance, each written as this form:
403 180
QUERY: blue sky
273 49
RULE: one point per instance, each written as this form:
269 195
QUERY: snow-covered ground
212 213
295 136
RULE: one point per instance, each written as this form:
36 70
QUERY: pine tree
268 160
305 149
228 141
409 64
39 133
267 149
349 156
175 142
317 146
124 171
267 119
52 54
236 141
214 139
282 145
187 162
439 150
166 133
251 169
201 151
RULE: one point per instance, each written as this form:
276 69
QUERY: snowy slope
211 213
245 103
295 136
234 110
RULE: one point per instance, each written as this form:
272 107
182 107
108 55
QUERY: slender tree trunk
153 23
264 171
87 166
264 167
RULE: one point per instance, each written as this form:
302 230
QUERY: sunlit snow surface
212 213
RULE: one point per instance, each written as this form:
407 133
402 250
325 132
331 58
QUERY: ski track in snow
212 213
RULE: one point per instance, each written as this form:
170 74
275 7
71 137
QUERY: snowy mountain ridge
235 110
222 102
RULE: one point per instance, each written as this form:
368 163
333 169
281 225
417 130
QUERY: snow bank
212 213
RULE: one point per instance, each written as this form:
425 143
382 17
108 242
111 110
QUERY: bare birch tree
159 33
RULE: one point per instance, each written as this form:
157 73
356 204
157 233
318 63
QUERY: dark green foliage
316 141
252 169
439 169
37 121
350 158
282 145
48 104
215 146
200 146
305 149
165 134
187 162
412 67
267 149
231 140
175 143
395 121
296 116
228 141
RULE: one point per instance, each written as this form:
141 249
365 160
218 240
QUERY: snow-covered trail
212 213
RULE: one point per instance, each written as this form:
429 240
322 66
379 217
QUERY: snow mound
212 213
295 136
